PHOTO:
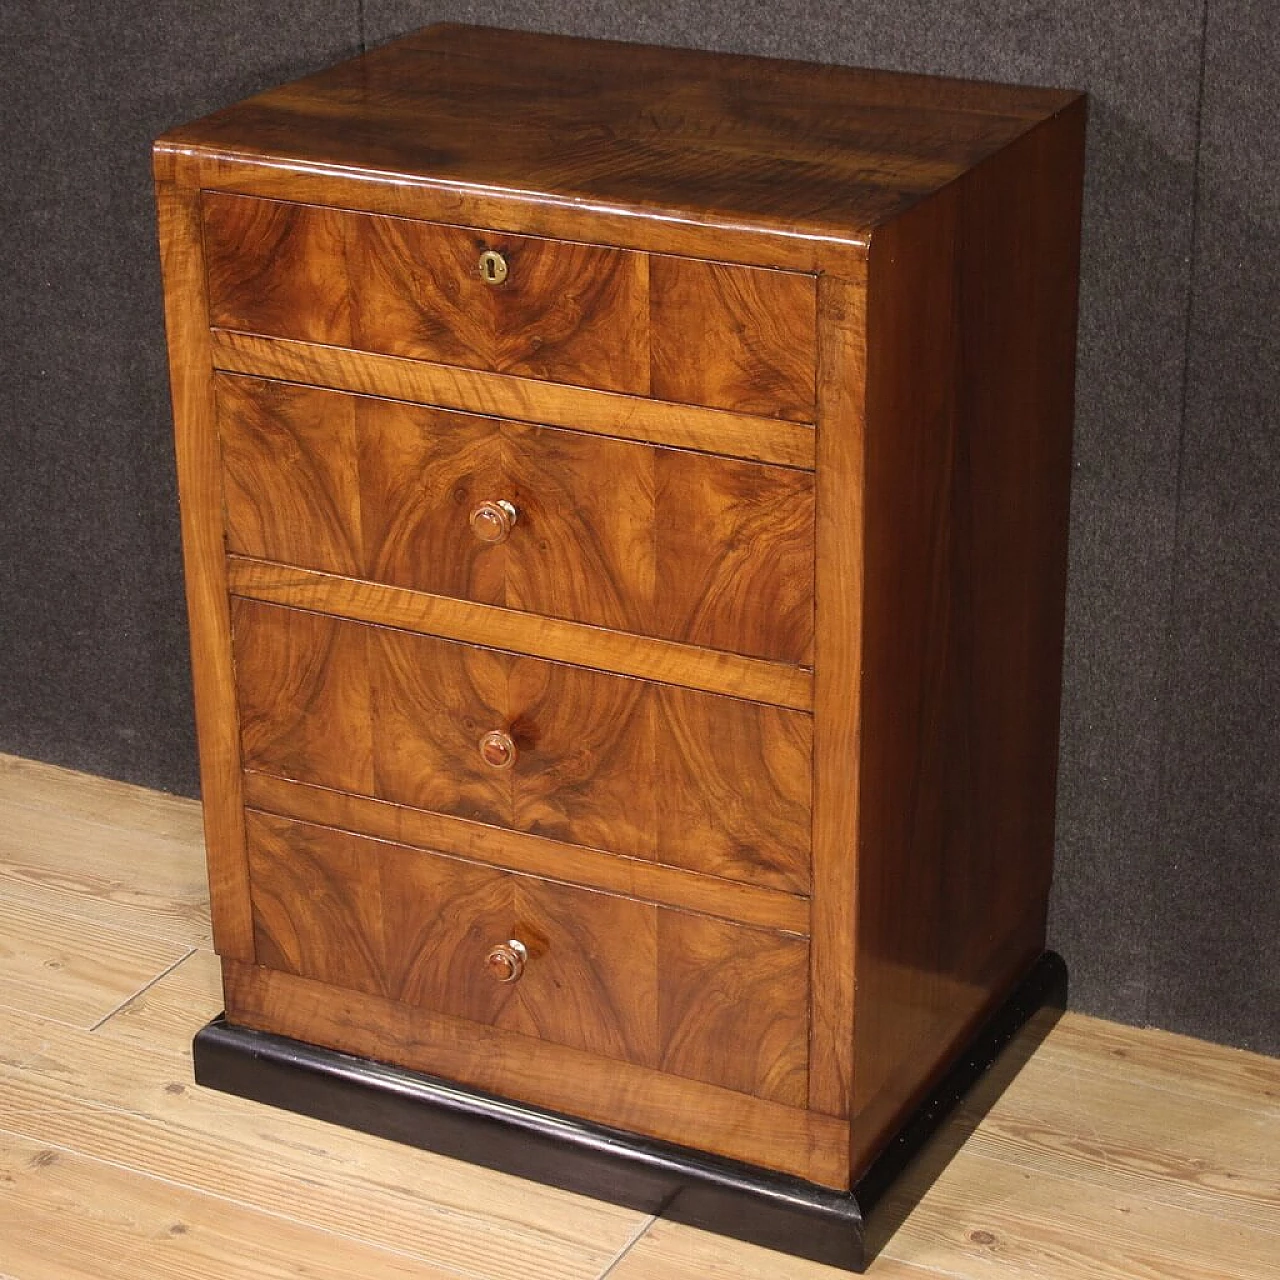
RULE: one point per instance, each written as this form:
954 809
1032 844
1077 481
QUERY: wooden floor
1111 1153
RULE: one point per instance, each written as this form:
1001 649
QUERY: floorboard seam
628 1246
164 973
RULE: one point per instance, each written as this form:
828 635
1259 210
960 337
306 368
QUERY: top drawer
714 334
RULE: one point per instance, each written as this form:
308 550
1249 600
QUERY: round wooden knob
498 749
505 961
493 521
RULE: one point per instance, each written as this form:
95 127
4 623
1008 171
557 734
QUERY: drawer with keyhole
587 315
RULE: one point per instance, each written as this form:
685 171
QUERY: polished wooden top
785 146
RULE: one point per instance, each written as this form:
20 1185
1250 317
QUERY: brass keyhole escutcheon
493 267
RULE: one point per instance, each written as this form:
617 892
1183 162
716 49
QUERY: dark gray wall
94 672
1165 900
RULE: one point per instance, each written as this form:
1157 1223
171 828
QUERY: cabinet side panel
837 666
971 332
200 489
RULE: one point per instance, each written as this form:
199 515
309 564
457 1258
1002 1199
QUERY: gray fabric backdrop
1165 899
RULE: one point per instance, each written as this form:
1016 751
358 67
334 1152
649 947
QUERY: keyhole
493 267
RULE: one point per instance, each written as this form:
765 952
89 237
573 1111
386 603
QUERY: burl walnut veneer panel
645 769
568 313
729 337
606 974
705 550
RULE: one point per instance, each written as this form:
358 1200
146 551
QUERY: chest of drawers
624 500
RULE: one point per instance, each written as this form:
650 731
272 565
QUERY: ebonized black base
678 1183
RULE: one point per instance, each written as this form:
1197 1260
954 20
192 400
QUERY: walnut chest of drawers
624 498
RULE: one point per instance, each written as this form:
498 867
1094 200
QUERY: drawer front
683 546
566 312
615 977
734 337
711 783
707 333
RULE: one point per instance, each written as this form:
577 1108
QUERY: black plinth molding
733 1199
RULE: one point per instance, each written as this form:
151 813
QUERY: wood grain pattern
1159 1059
706 551
607 762
737 435
1112 1142
567 312
306 697
73 970
837 692
736 676
291 482
982 1218
75 1213
200 483
734 337
1021 1224
133 1105
623 130
730 1123
610 976
970 327
552 859
733 1006
723 336
57 794
48 810
275 268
